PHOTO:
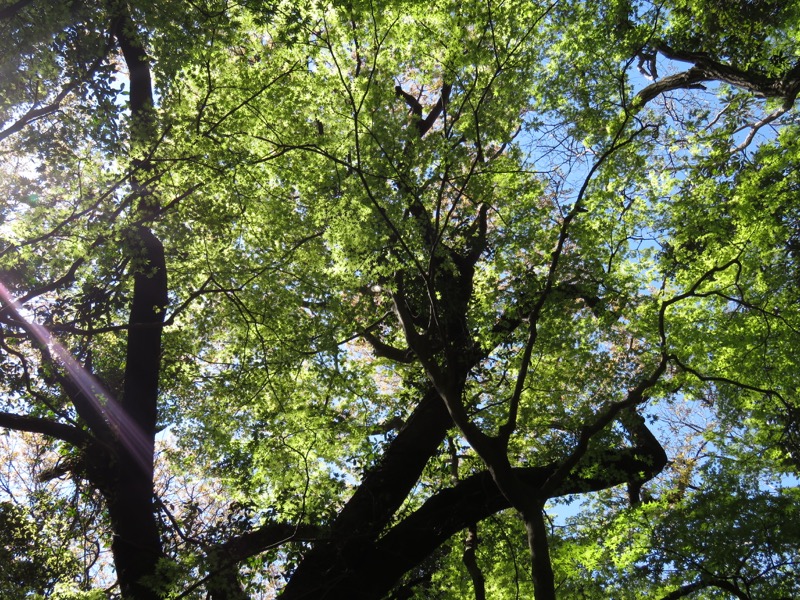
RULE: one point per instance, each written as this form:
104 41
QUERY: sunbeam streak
130 435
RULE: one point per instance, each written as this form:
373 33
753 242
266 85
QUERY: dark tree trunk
541 567
129 492
136 545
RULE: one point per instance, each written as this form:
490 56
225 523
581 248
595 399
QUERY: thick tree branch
61 431
635 396
707 69
127 481
424 124
384 350
269 536
686 590
541 568
688 80
143 360
470 561
386 486
38 112
690 588
475 498
141 87
382 491
412 102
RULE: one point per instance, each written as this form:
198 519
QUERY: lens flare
130 435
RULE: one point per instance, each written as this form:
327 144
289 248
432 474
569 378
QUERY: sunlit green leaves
318 168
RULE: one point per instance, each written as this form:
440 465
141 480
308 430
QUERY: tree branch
688 80
471 563
541 568
635 397
424 124
66 433
269 535
141 87
384 350
474 499
37 113
382 491
707 69
691 588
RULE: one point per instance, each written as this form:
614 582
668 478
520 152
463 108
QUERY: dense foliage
490 299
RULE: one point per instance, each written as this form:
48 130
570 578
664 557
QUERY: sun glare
101 401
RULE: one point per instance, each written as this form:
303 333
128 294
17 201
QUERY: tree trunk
541 567
136 545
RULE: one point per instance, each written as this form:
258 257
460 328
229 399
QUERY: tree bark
706 69
541 568
470 561
373 568
136 544
369 510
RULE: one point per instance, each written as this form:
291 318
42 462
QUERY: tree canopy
491 299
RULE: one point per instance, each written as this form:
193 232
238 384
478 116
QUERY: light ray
136 443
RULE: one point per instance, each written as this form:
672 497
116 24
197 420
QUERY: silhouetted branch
66 433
